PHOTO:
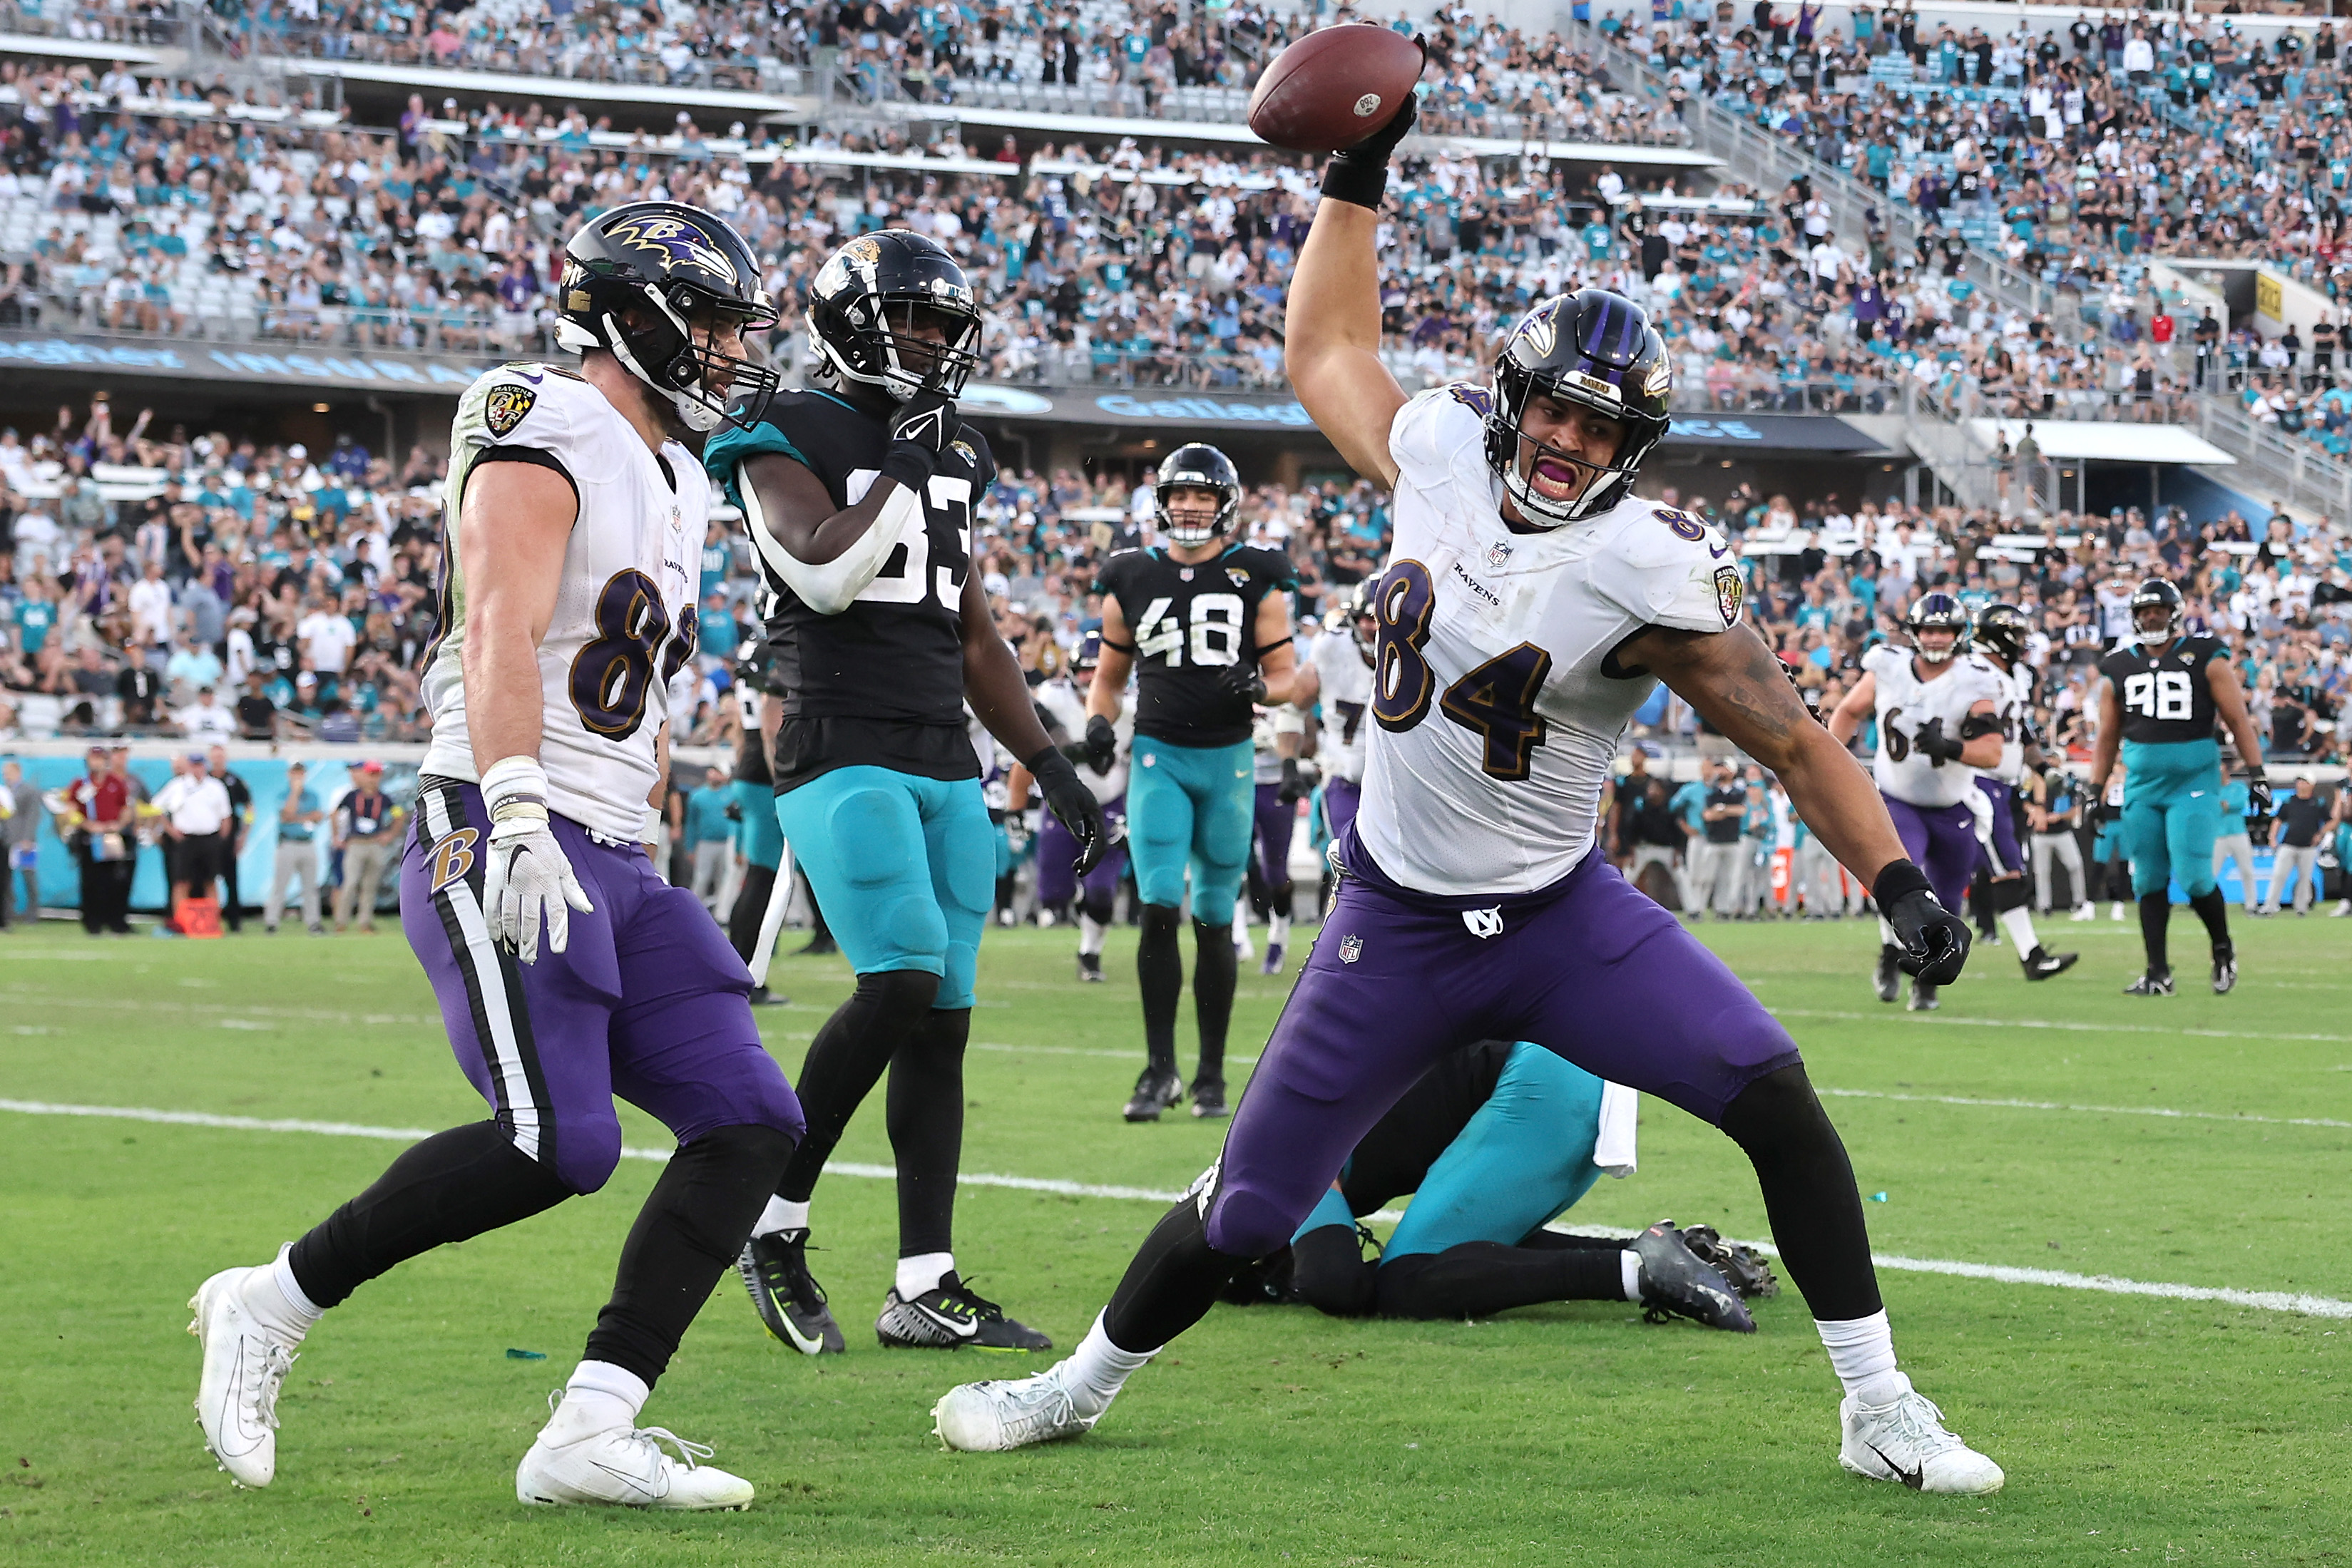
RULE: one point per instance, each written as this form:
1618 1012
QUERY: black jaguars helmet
1197 465
1598 350
2002 628
1937 611
2157 597
640 278
868 306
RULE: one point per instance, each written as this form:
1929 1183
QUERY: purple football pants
2001 857
1942 839
647 1001
1341 799
1276 823
1594 971
1057 859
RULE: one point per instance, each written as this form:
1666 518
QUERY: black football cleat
951 1316
1748 1270
2042 963
1155 1091
786 1295
1090 968
1208 1097
1675 1283
2155 983
1923 997
2225 968
1889 979
761 997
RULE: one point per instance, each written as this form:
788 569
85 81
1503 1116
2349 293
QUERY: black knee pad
1329 1273
899 994
1160 920
2014 893
1210 936
1777 1111
715 1185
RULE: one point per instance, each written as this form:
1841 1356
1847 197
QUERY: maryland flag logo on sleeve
505 408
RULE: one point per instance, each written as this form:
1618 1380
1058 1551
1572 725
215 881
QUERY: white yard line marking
2085 1110
1892 1016
2261 1301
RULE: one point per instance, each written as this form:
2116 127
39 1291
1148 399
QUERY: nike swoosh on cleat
955 1326
643 1490
1915 1480
806 1345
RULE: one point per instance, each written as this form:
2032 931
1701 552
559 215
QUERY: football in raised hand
1334 87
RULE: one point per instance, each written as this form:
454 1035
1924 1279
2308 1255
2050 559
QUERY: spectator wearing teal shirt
717 560
719 632
36 617
710 817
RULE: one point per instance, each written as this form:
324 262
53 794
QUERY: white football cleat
1906 1441
244 1365
990 1417
626 1467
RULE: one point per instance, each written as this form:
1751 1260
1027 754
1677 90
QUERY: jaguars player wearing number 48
566 970
1532 604
857 493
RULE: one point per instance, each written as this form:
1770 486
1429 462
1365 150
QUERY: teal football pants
762 836
1190 810
2172 814
904 867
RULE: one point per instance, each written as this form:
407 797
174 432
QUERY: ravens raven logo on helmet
674 240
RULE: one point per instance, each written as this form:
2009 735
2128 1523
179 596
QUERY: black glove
1294 788
1931 741
1359 174
1102 745
1935 941
2257 792
1242 680
927 419
1072 804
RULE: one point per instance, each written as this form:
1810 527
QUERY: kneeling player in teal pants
2159 706
1493 1143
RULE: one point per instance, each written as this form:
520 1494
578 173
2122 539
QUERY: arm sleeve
726 450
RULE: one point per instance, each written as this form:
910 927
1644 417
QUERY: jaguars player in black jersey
2157 707
859 494
1205 622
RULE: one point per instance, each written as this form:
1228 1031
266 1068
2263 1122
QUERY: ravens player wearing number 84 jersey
1532 606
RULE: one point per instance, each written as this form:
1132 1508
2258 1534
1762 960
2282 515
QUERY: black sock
1004 891
689 1233
926 1120
2155 915
2214 911
1160 967
751 911
1808 1193
1098 908
1281 898
1172 1284
845 1061
1330 1272
1213 964
1479 1279
453 1186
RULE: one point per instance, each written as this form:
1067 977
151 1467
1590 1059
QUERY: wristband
1899 881
910 464
515 787
1356 183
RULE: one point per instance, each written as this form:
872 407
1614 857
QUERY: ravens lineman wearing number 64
1531 605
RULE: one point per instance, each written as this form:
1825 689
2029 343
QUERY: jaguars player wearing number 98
1532 606
567 971
857 494
1203 622
2157 704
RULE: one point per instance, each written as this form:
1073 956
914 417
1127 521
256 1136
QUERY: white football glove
526 881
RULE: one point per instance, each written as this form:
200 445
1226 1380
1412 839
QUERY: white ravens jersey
1346 698
624 626
1496 715
1067 705
1906 705
2015 711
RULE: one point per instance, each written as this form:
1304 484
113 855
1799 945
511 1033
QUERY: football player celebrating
857 494
1064 699
1938 721
1998 636
567 971
1530 607
2157 707
1203 622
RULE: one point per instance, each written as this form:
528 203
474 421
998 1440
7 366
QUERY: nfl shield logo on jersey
1350 949
1497 553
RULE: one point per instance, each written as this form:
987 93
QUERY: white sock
2020 926
922 1272
598 1397
1887 933
1277 930
1091 933
1862 1352
781 1215
275 1298
1097 1368
1629 1265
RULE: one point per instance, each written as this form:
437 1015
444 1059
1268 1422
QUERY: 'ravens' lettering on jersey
2167 699
880 683
1189 625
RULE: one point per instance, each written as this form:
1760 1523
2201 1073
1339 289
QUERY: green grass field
2131 1425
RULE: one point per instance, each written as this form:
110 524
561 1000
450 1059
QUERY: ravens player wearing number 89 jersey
1532 606
857 494
1204 623
2157 707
